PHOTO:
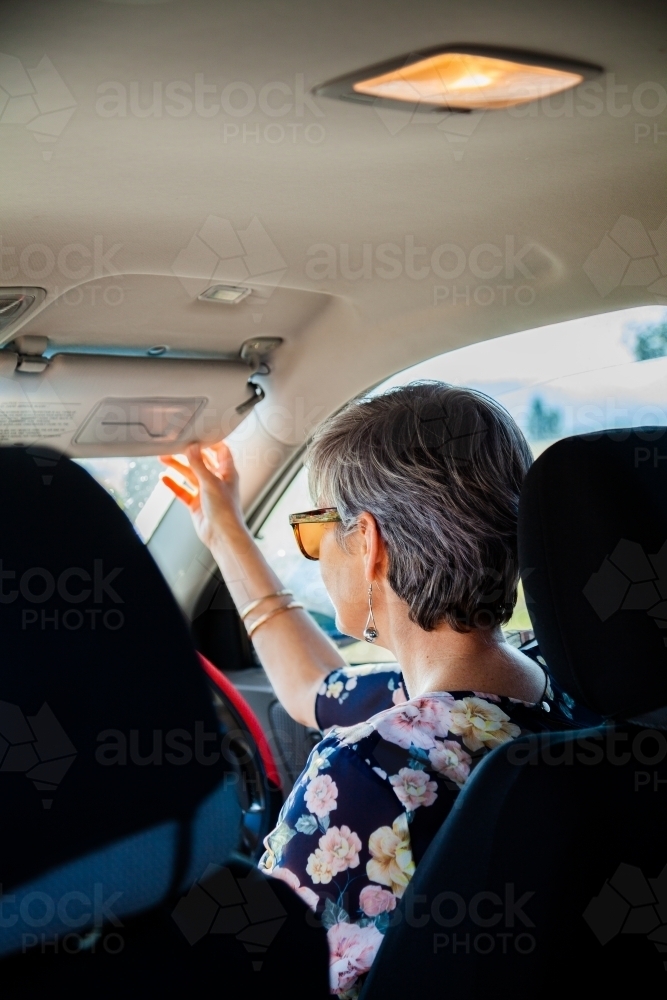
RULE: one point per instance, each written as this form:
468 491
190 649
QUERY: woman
418 492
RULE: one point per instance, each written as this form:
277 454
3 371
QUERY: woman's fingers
215 460
220 461
222 452
185 495
211 457
201 470
183 470
226 465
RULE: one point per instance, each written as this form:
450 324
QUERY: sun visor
88 405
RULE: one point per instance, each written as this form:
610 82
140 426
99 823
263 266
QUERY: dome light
460 78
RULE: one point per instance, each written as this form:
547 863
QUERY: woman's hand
213 498
293 650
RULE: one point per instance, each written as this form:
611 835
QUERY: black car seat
119 790
550 874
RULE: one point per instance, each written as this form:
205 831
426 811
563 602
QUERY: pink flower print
373 900
285 875
482 724
450 760
414 788
309 897
398 696
352 950
391 861
321 795
416 722
320 867
342 846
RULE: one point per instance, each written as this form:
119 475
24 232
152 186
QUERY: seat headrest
593 557
106 721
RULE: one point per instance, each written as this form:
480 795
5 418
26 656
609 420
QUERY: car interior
225 219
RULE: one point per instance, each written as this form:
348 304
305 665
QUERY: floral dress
374 793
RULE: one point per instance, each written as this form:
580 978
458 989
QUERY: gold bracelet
271 614
244 612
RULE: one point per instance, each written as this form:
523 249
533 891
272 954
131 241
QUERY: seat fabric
240 932
550 873
120 791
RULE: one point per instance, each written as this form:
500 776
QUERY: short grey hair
440 468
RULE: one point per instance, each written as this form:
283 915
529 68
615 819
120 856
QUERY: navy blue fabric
389 780
354 694
550 872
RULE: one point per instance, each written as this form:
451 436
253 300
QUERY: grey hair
440 469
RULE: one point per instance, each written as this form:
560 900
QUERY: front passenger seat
550 874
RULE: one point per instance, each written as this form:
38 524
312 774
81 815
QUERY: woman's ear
373 548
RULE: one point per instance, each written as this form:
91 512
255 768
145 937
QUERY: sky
585 368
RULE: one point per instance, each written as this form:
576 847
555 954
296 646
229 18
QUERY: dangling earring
370 632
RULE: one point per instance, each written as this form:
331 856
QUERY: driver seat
551 871
120 789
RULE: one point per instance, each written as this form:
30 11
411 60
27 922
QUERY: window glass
586 375
578 377
135 485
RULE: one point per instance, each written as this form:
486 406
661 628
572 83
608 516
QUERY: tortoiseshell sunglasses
308 529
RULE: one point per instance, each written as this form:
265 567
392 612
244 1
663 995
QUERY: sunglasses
309 528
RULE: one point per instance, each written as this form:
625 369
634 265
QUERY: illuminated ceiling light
462 81
460 78
230 294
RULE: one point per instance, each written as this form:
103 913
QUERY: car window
135 485
578 377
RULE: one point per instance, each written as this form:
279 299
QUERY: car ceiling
548 186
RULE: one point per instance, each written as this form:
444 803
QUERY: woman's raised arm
293 650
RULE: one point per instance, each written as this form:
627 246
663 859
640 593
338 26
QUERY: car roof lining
143 187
